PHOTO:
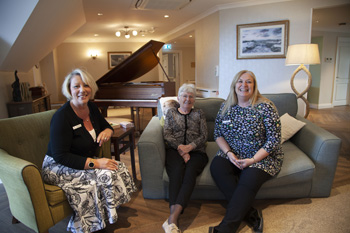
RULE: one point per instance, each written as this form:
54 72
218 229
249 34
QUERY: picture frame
115 58
262 40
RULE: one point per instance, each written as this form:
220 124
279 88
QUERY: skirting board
321 106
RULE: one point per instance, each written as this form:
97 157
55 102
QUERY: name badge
76 126
226 122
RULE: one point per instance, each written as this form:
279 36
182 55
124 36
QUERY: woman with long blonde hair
248 133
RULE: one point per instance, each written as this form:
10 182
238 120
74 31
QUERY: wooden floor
145 215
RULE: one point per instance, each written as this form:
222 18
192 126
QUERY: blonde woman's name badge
76 127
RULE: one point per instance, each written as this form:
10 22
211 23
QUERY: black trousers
182 176
239 187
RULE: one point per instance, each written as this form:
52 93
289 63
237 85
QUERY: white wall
272 74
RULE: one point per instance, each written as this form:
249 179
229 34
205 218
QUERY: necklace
81 113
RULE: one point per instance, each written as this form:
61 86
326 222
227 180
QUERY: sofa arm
323 149
151 151
25 191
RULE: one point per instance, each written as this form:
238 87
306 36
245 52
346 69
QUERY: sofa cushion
284 102
296 168
289 126
210 107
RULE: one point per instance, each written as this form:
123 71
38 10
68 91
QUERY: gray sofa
308 169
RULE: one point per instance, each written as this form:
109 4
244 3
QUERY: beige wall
206 49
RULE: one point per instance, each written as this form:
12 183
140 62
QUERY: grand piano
116 88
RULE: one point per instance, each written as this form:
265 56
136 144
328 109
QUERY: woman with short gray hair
185 136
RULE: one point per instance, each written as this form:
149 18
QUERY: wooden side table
119 138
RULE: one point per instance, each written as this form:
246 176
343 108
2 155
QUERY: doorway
171 66
342 72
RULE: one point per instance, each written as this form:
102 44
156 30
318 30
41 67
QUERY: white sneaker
172 228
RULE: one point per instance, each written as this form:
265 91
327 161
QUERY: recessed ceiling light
99 14
95 34
166 16
190 36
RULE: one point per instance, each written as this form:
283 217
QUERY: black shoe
212 230
255 220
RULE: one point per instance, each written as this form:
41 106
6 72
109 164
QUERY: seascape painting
263 40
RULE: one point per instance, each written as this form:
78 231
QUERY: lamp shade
306 54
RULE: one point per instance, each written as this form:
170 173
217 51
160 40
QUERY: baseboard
321 106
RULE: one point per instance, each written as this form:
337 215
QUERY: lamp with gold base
302 54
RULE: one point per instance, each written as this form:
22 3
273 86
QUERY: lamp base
301 95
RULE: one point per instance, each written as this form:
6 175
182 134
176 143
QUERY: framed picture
115 58
262 40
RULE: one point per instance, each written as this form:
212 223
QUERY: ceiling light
99 14
126 31
166 16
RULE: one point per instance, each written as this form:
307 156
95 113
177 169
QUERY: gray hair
188 88
85 77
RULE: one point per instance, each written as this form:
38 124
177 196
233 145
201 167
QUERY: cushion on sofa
296 168
289 126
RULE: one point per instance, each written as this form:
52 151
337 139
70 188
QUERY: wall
272 74
206 49
315 70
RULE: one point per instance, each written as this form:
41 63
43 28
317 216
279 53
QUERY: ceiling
105 17
116 14
44 25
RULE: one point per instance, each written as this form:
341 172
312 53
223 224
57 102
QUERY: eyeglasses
187 96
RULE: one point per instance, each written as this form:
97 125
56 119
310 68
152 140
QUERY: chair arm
105 150
25 191
323 149
151 151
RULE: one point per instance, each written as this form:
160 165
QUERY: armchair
23 144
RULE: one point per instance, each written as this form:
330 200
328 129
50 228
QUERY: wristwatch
91 164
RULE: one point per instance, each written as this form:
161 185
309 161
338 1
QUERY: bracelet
228 151
254 159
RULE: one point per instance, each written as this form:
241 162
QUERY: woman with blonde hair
95 187
248 133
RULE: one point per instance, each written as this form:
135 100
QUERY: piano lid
134 66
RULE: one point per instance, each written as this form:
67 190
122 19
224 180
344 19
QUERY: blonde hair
232 99
85 77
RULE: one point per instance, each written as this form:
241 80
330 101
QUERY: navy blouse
248 129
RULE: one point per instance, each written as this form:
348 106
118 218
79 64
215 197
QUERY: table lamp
302 54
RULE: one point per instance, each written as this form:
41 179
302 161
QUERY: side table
119 138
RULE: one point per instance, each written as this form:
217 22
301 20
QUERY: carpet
306 215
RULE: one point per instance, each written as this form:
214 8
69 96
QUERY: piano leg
136 120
